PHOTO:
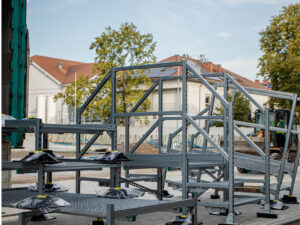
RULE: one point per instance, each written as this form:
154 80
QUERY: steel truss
188 159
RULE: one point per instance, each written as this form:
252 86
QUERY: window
207 100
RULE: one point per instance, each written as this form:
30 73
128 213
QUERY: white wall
42 89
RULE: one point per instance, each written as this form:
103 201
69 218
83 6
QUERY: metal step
257 163
194 186
204 165
217 184
237 202
142 178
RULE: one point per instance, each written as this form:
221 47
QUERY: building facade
49 76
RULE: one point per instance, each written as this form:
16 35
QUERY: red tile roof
213 68
65 74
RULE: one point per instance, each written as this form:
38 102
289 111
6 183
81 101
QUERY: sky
226 31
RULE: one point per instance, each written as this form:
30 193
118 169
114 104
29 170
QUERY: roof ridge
59 59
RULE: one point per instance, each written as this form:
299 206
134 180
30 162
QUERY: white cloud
246 67
224 34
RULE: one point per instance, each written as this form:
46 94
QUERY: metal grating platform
91 205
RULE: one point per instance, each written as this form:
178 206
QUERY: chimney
219 68
60 65
208 66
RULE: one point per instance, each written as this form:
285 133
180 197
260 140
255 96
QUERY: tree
241 108
280 62
115 48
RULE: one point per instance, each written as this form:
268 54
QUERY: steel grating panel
257 163
81 204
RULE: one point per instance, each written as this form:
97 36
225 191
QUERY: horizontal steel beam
148 66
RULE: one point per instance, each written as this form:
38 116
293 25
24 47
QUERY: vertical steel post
23 219
38 141
267 163
285 149
78 149
194 213
296 163
207 126
110 220
113 109
230 217
184 170
159 182
160 121
46 146
225 130
41 179
127 140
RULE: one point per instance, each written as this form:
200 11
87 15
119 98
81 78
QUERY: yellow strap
41 196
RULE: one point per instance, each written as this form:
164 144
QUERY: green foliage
280 62
241 108
115 48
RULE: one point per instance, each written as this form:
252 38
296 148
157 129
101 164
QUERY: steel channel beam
294 175
206 135
110 218
211 108
265 92
172 135
285 149
160 121
209 87
230 216
41 180
78 149
38 141
89 144
184 170
225 135
148 66
251 143
165 113
242 89
267 163
95 92
148 92
144 136
113 108
246 124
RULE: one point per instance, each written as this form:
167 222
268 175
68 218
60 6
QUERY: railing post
113 109
230 217
184 169
285 149
160 109
267 163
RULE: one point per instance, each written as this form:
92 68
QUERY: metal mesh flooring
81 204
